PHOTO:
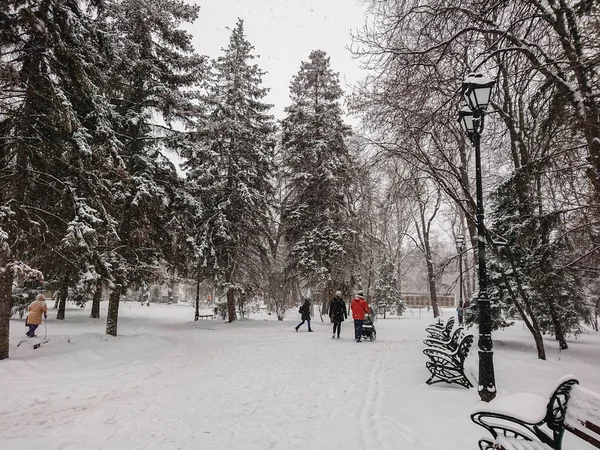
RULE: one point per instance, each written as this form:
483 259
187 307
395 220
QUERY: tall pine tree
229 167
318 168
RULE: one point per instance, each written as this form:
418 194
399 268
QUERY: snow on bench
583 415
528 422
520 444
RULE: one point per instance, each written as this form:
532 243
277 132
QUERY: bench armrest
436 351
437 334
433 342
432 329
506 426
443 358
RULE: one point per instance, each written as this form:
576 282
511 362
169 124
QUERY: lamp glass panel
467 122
481 96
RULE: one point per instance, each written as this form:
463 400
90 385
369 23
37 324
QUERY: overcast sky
283 33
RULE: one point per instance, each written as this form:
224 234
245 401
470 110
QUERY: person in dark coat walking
305 311
465 310
337 313
459 313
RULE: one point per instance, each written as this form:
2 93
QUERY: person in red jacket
359 308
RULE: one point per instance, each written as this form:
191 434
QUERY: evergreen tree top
316 77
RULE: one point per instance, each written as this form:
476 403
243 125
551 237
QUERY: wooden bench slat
592 426
586 437
583 411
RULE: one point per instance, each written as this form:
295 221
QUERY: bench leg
447 374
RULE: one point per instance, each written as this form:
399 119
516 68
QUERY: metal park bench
449 344
439 330
571 408
448 366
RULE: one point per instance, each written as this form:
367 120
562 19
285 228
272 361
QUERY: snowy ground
170 383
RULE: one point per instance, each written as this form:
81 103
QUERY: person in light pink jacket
36 309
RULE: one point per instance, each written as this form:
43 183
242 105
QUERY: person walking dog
36 309
305 311
337 313
359 309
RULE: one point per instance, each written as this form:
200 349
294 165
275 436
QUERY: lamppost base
487 382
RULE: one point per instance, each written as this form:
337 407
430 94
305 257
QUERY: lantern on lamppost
477 91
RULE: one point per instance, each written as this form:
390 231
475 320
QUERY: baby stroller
368 330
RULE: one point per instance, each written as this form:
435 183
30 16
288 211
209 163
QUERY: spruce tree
229 167
386 291
153 69
318 169
533 264
55 139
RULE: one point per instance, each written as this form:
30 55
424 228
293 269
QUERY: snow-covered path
169 383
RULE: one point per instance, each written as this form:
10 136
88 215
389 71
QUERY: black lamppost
460 242
477 90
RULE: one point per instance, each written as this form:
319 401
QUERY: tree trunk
527 313
62 295
327 296
112 317
231 304
432 289
171 285
558 328
6 280
596 312
96 301
431 275
424 237
197 312
537 335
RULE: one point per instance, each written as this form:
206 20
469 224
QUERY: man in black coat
305 311
337 313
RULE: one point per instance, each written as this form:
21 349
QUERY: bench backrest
464 347
576 409
449 326
456 335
